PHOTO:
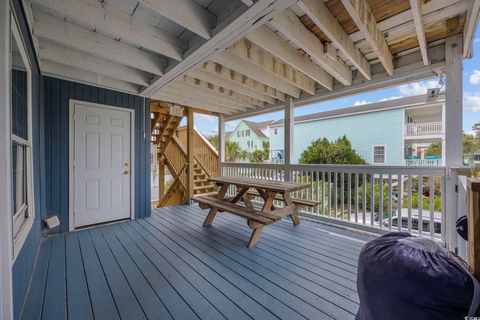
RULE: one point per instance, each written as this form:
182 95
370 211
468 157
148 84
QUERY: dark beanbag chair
405 277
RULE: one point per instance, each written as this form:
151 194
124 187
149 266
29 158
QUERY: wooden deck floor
169 267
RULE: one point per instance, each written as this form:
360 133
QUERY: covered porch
168 266
154 62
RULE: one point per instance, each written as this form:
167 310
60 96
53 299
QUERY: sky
208 125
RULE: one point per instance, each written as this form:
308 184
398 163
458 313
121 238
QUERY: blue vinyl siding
23 267
363 130
57 95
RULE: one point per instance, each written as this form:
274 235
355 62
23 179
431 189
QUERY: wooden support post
190 156
221 142
473 200
288 137
453 101
161 178
453 131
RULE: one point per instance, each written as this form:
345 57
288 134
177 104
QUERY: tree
435 149
323 151
233 152
259 156
470 143
214 140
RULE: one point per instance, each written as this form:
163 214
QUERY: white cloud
205 118
417 88
231 125
471 102
475 77
360 102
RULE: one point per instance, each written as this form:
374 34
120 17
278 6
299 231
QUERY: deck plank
148 299
34 301
322 278
310 293
127 304
54 303
102 301
168 266
78 298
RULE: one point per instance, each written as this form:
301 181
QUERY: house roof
420 100
228 135
257 127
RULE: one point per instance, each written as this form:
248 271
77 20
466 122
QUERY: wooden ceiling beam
324 19
255 55
471 22
54 52
251 70
293 29
230 84
416 7
360 12
191 102
213 97
70 73
227 93
68 34
265 38
187 13
240 79
107 19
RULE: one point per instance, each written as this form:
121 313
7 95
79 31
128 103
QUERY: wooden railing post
473 199
221 142
288 137
190 155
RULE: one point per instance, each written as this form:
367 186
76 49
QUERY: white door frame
71 200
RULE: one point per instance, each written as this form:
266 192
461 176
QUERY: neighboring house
393 132
250 135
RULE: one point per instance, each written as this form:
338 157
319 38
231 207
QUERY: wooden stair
163 128
201 185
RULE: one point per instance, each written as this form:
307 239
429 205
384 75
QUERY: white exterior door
102 166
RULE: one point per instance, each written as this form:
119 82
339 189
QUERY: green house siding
363 130
240 136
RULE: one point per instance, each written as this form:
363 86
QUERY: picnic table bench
268 190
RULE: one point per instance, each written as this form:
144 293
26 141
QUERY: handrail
202 149
372 198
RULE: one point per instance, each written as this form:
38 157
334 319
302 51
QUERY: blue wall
56 97
363 130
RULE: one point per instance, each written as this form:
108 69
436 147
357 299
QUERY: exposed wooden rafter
234 62
187 13
220 90
120 25
416 6
74 74
275 45
324 19
230 85
360 12
54 52
293 29
255 55
241 79
189 100
471 23
55 29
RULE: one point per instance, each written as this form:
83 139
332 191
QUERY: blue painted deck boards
168 266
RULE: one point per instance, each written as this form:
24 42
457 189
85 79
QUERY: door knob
125 172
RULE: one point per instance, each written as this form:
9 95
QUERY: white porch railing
423 128
423 162
350 195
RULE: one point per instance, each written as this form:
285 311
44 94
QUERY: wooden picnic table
268 190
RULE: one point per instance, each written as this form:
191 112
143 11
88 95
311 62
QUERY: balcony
168 266
423 162
423 128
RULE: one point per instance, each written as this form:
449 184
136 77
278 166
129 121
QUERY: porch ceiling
241 57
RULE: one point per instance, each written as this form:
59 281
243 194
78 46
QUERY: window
238 134
21 169
247 133
275 130
243 133
379 155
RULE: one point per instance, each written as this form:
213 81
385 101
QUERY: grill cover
405 277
